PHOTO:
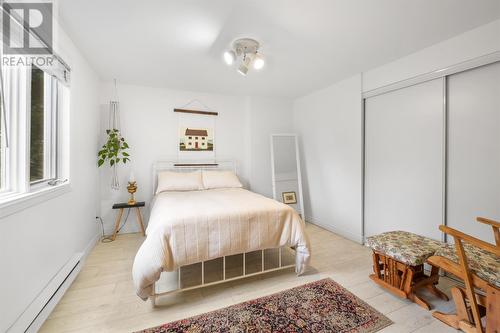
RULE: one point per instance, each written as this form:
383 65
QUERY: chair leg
432 287
420 301
436 292
492 310
462 314
450 319
410 293
376 264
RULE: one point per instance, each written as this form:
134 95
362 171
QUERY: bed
199 226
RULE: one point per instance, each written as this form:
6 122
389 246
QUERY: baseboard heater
38 311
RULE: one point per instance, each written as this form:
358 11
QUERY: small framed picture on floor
289 197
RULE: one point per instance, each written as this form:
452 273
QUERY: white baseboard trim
39 310
339 231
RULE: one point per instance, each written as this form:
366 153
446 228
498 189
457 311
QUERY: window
35 106
2 147
43 127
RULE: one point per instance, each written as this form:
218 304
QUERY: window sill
19 202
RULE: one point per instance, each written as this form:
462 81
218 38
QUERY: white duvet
189 227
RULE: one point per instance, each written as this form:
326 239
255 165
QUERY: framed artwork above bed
196 136
196 139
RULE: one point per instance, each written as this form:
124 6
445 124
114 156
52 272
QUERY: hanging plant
114 150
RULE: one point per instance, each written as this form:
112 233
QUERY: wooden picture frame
289 197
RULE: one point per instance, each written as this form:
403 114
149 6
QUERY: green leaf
114 149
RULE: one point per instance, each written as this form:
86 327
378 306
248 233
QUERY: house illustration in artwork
196 139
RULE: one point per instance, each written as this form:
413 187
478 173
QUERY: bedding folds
188 227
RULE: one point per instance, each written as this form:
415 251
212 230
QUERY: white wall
329 122
151 128
37 242
329 126
469 45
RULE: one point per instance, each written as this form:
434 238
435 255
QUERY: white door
474 149
404 160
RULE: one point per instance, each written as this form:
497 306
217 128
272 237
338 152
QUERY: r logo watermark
27 33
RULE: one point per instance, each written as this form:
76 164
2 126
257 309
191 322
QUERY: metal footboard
224 279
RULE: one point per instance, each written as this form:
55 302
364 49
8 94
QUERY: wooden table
121 207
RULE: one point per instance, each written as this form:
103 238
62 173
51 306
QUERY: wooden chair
471 305
494 225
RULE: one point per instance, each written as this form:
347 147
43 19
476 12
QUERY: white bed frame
193 166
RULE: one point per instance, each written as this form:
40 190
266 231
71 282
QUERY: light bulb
229 57
243 69
258 61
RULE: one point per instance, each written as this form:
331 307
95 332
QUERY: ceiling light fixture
248 50
229 57
258 61
243 69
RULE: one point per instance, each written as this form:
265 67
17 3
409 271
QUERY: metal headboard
190 166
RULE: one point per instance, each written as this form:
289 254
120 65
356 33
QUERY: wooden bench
398 264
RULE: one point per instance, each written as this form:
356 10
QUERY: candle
131 178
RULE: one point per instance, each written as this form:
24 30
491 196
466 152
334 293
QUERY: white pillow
220 179
179 181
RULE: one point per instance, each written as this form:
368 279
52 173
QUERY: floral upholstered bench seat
484 264
398 264
404 246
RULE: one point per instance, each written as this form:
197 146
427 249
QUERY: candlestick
131 188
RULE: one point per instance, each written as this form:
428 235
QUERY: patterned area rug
321 306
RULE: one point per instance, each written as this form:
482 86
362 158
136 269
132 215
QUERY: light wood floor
102 297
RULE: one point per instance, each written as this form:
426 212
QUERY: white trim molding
19 201
358 238
443 72
40 308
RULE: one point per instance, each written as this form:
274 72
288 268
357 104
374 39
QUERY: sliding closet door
404 160
474 149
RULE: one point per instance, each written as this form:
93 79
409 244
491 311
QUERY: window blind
18 33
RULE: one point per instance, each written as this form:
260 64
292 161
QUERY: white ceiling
308 44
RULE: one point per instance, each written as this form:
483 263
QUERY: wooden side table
121 207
